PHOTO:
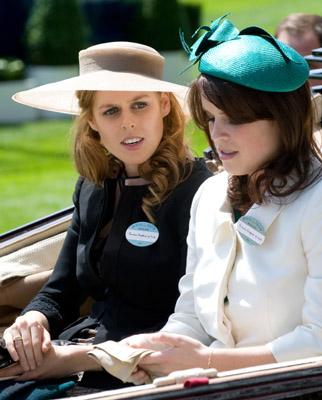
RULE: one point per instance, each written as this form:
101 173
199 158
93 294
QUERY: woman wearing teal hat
252 293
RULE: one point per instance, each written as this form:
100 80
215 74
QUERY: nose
217 130
128 122
127 126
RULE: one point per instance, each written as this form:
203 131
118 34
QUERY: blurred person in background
303 32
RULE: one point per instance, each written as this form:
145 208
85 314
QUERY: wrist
83 360
210 360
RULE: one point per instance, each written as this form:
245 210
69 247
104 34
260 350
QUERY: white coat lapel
212 279
261 215
217 262
225 244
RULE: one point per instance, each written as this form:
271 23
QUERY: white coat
238 294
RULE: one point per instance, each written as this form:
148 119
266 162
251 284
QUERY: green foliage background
36 171
264 13
55 32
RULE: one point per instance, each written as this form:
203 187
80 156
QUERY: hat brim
60 96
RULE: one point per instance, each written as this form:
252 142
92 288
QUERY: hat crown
122 57
251 57
113 66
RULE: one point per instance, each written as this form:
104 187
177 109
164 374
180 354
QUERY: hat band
123 62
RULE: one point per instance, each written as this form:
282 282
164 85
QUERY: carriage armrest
22 274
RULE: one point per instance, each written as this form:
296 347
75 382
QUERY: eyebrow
206 110
136 98
140 97
208 113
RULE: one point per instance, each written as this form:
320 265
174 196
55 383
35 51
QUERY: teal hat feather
250 57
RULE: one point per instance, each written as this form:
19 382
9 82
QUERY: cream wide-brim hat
113 66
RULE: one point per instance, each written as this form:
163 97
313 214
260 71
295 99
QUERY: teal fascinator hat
250 57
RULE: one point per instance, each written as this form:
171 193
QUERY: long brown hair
169 165
293 113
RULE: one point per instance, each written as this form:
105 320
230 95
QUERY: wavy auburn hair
170 164
292 112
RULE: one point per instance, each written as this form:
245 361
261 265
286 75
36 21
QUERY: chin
235 171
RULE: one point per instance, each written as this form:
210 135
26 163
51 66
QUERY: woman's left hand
179 352
59 361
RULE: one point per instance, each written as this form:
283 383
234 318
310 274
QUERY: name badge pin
142 234
251 230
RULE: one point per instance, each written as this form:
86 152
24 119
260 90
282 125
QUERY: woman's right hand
27 339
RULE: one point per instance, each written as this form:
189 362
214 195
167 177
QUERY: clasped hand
29 345
27 341
57 362
172 352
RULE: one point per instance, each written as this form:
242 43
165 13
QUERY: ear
165 104
92 124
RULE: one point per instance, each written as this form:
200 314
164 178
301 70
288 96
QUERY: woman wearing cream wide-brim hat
126 246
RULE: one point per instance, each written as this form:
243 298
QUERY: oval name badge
251 230
142 234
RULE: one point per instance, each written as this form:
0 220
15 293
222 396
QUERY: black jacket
134 288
